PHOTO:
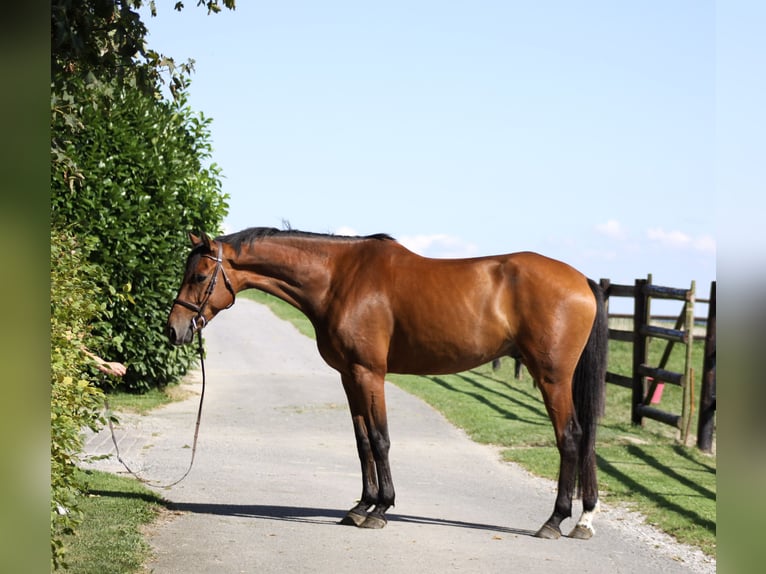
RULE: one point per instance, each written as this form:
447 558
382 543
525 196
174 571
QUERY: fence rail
645 378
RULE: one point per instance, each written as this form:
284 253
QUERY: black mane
252 234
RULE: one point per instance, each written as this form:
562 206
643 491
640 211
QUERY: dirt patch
635 527
181 391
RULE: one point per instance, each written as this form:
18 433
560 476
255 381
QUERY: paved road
276 468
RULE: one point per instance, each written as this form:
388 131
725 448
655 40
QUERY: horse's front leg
380 444
358 514
366 397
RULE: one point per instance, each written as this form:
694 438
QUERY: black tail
589 390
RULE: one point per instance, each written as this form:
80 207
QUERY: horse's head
201 295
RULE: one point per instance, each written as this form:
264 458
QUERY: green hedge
130 176
75 401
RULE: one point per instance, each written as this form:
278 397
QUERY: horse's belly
443 357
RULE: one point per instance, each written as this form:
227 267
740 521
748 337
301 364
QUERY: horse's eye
199 278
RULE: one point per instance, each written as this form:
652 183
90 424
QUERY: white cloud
438 245
346 230
612 228
435 245
705 243
679 240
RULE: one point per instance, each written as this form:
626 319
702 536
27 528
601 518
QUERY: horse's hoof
374 522
548 532
581 532
354 518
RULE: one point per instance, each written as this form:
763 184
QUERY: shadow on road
323 515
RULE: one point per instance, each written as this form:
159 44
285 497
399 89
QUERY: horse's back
523 278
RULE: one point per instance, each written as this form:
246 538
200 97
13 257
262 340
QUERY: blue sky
581 130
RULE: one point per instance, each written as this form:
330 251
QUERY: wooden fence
645 378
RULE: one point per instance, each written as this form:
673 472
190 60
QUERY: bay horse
377 308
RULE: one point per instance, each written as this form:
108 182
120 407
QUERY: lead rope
196 430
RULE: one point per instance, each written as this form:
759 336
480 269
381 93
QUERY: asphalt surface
276 469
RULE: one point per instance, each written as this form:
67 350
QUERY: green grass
116 508
147 401
110 538
139 403
673 486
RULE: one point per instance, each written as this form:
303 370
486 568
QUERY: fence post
708 391
640 317
605 284
688 387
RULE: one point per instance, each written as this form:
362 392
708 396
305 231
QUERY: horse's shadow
323 515
329 516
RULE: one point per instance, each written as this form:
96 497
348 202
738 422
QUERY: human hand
112 368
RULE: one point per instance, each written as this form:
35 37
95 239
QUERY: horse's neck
295 272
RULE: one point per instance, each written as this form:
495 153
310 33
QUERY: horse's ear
196 241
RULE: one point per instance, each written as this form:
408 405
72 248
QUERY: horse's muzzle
181 336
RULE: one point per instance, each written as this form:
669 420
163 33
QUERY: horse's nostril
171 334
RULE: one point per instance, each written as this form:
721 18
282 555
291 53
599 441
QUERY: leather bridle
200 309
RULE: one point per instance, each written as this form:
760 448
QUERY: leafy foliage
75 400
144 187
99 40
130 176
131 172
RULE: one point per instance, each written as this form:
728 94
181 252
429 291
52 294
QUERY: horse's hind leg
560 407
583 530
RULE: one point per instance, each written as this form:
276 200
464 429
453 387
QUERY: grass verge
110 538
115 508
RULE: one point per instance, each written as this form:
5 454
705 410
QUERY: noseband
199 309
